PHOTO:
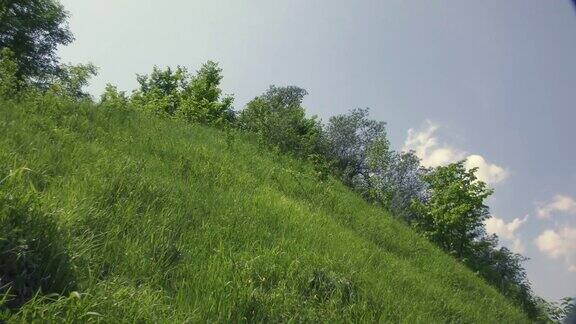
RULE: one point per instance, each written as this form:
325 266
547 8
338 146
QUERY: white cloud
560 244
558 204
489 173
507 231
425 145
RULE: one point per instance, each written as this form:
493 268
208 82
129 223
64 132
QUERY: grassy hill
121 216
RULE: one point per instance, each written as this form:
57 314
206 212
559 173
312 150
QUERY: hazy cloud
507 232
432 154
558 204
559 244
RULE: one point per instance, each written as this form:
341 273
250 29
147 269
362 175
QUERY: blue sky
492 81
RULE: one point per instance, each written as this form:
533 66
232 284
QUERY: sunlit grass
155 220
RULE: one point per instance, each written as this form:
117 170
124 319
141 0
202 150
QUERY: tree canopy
195 98
454 215
279 118
32 30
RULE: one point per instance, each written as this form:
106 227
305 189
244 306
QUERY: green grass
119 216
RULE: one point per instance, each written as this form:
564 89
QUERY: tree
202 98
395 180
348 139
71 79
361 151
197 99
503 269
454 215
161 91
33 29
278 117
113 98
563 311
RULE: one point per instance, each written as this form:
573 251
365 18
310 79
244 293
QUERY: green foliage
9 83
504 270
32 30
401 184
196 99
348 139
161 91
163 221
203 102
446 204
563 311
453 216
112 98
277 116
378 160
363 159
70 80
455 213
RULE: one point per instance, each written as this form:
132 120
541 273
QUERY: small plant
324 285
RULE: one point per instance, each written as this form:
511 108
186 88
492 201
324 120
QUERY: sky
491 81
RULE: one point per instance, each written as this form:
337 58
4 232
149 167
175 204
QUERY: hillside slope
130 217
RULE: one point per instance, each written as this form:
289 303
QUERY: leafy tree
454 215
503 269
378 164
71 79
395 180
113 98
161 91
364 159
563 311
404 179
347 141
33 29
197 99
203 102
278 117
